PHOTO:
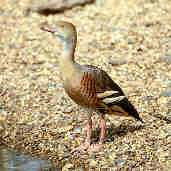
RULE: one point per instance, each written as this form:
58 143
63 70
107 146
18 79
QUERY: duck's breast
82 90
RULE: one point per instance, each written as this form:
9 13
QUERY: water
13 161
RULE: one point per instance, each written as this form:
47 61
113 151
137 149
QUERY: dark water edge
14 161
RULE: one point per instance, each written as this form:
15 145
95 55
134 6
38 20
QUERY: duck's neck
67 61
68 51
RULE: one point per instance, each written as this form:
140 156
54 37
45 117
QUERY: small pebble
45 100
112 155
166 84
169 101
120 163
133 164
166 92
92 163
167 59
117 61
148 98
67 167
2 11
77 130
52 84
93 156
130 41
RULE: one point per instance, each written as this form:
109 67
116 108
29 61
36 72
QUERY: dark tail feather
119 107
130 109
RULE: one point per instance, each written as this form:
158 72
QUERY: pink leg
98 147
103 129
89 131
86 145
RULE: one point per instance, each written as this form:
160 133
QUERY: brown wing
89 92
88 89
100 82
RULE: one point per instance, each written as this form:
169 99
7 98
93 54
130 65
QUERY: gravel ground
131 40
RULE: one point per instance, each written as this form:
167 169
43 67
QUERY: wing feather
109 96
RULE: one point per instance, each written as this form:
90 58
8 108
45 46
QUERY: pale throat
68 50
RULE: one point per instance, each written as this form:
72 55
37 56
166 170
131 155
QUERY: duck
88 86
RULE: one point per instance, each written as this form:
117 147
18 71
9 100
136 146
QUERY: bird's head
64 30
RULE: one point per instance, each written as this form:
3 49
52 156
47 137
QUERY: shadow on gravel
112 131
